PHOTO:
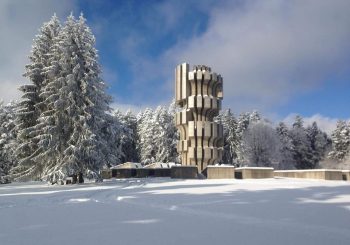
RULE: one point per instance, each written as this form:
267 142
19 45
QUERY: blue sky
133 34
279 57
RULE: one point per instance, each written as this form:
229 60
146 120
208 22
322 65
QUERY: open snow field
165 211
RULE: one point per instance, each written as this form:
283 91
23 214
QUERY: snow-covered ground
164 211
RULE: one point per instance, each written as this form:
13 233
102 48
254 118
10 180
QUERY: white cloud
268 51
19 23
326 124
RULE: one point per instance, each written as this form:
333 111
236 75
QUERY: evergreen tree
129 146
114 133
242 126
231 139
166 136
298 122
319 141
145 131
30 107
243 123
70 139
128 136
302 152
7 140
286 149
254 117
157 135
341 141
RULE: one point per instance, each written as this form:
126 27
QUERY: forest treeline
63 124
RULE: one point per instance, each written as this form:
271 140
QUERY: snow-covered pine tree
242 126
129 136
145 134
70 140
341 141
7 140
231 139
30 107
302 151
242 123
254 117
157 135
113 132
166 136
286 149
319 141
298 122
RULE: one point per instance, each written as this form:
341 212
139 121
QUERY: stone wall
325 174
346 175
220 172
122 173
184 172
225 172
253 173
106 174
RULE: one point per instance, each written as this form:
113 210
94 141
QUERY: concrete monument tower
198 93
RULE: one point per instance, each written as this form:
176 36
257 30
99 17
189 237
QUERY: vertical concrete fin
184 80
199 93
